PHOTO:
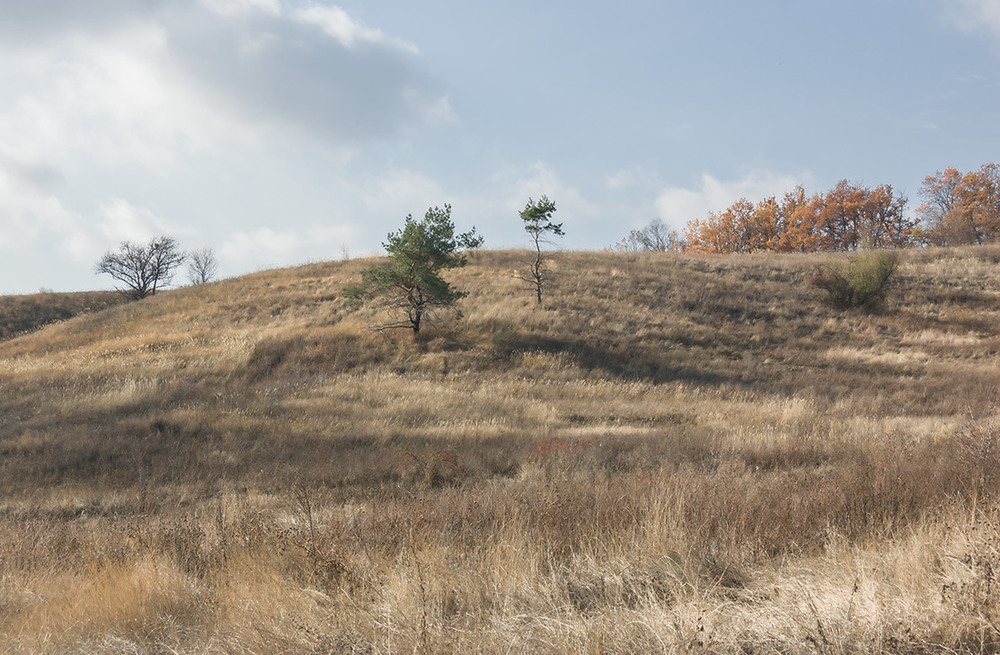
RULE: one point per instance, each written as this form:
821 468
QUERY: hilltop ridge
739 320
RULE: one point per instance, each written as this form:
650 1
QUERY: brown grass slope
25 313
673 454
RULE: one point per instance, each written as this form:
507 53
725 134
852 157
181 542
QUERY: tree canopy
410 283
848 217
537 217
654 237
961 208
142 268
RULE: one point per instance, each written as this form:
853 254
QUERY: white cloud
265 247
310 71
323 236
26 214
494 210
434 111
542 180
118 113
243 7
628 178
336 22
194 75
400 192
88 102
33 220
40 21
678 205
975 15
123 221
262 247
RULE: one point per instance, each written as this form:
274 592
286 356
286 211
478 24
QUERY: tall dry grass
674 454
25 313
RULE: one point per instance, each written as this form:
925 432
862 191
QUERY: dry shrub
979 453
861 282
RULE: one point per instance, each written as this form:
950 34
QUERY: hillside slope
642 462
21 314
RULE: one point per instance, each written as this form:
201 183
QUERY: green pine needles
410 283
537 217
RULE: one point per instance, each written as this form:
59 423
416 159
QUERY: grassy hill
676 453
21 314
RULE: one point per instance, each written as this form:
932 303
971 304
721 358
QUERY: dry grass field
21 314
675 454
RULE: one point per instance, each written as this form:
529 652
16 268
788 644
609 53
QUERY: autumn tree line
958 208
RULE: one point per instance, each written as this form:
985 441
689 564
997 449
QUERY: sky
280 132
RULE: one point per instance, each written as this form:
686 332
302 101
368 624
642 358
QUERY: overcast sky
284 131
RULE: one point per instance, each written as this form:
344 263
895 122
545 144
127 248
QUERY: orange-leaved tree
961 208
799 222
848 217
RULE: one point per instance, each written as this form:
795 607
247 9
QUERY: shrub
862 281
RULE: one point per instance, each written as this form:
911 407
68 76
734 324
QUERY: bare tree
142 268
537 217
202 266
654 237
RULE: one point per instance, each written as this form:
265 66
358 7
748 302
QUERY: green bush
863 281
